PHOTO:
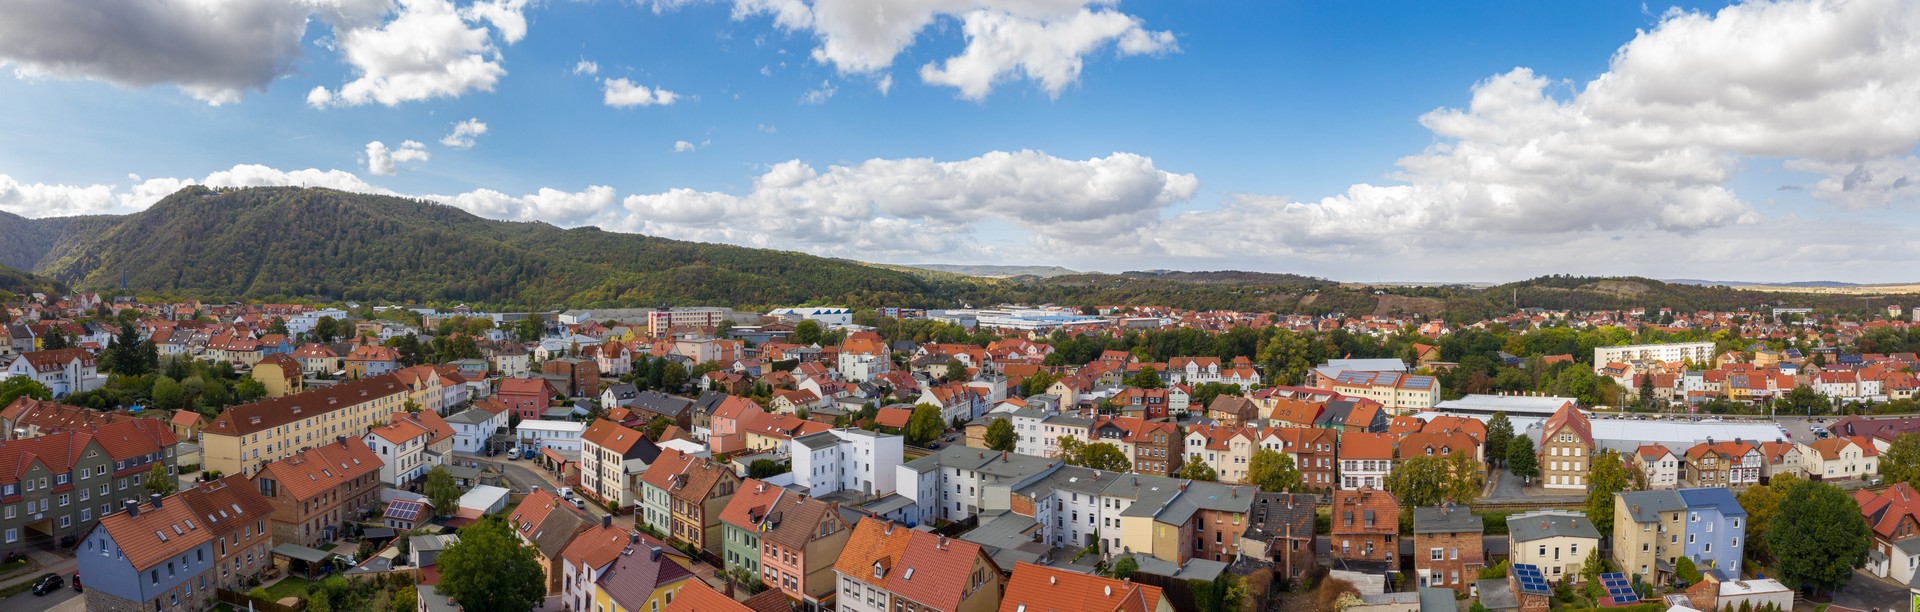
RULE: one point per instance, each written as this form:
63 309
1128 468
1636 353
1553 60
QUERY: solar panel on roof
1530 579
1619 588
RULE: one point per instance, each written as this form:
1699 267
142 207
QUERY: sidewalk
49 562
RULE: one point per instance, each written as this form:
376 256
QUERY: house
1366 459
682 496
1366 523
886 566
1558 541
27 417
1280 530
696 596
1893 515
280 374
956 401
1447 547
548 524
1398 392
409 445
853 460
369 360
560 436
772 432
1565 449
474 428
156 556
588 557
573 377
64 371
1839 457
1780 457
1661 466
318 359
612 458
730 420
315 490
1153 447
1228 450
1232 410
1038 587
54 486
244 437
741 522
1313 452
863 359
642 578
1653 529
800 537
1721 464
527 397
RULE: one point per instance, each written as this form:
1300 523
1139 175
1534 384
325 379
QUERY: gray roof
892 502
1712 497
1438 600
470 416
1543 524
1149 493
1497 594
434 543
708 401
655 401
1646 506
1910 545
818 441
1447 519
1201 495
1070 478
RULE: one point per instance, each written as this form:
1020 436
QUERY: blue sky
1196 135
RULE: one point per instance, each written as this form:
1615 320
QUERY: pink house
729 423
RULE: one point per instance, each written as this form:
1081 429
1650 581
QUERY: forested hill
21 283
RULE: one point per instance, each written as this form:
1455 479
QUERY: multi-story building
1697 352
1448 551
527 397
740 525
1780 457
1313 453
588 557
1721 464
612 458
1653 529
683 496
1038 587
1565 449
1398 392
64 371
1894 517
229 510
475 428
642 578
800 537
861 360
150 557
409 445
660 323
1558 541
53 487
561 436
846 460
1228 450
1366 459
548 524
316 490
1153 447
27 417
370 360
1280 530
876 571
244 437
317 359
1366 528
1661 466
1839 458
1037 433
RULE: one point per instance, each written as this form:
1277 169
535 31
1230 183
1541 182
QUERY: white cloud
53 200
819 95
622 93
384 161
1045 40
766 128
682 146
430 49
1001 45
563 208
214 50
586 67
464 133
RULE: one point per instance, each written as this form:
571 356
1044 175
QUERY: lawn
290 587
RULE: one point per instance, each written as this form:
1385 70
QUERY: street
64 599
522 476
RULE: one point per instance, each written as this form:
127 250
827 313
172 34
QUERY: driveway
1867 592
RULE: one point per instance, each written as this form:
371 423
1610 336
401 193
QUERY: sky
1434 142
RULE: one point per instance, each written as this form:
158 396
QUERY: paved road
28 602
1866 592
522 476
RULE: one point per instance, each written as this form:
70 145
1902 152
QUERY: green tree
279 326
15 387
1762 503
442 492
957 371
1146 378
925 425
1125 567
673 376
157 480
249 389
1464 480
1098 455
489 570
529 329
1000 435
1609 476
657 426
55 339
1499 432
405 600
1419 481
1037 383
1804 400
1901 462
763 468
1273 471
1817 539
326 329
807 332
1521 461
124 353
1196 468
166 394
1684 570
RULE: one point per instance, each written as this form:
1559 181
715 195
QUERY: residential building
612 458
27 417
54 486
741 523
1696 352
1839 458
696 596
317 359
409 445
1398 392
1038 587
474 428
316 490
683 496
1653 529
572 376
1721 464
64 371
528 397
561 436
246 436
1893 515
1780 457
1233 410
1447 548
1660 466
854 460
1313 452
729 423
1565 449
153 556
548 524
370 360
1366 525
1228 450
863 359
280 374
1556 540
1153 447
800 537
587 558
1366 459
642 578
877 572
1281 531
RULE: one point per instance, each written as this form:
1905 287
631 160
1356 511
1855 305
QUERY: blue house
149 557
1715 529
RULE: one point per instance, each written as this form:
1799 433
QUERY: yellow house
642 579
244 437
280 374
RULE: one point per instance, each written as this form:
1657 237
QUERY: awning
296 551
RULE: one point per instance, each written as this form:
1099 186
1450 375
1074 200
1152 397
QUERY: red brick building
1447 546
317 489
1366 528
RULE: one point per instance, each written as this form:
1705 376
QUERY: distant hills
1806 284
988 271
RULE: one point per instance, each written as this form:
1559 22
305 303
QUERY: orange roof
400 430
920 566
1350 509
750 504
696 596
1035 587
1571 418
270 413
597 547
1360 445
611 436
893 417
319 469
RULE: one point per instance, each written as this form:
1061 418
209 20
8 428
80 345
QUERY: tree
1762 503
1273 471
124 355
55 339
278 326
1098 455
1520 459
442 492
166 394
489 570
925 425
1684 570
1419 481
1499 432
1037 383
249 389
1125 567
657 426
405 600
14 387
807 332
529 329
1901 462
673 376
158 481
1464 480
1196 468
326 329
1817 539
1000 435
957 371
764 468
1146 378
1609 475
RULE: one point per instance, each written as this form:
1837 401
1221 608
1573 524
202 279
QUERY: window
1436 554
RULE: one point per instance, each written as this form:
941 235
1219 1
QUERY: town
298 457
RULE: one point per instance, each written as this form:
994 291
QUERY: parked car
48 583
566 492
76 582
580 503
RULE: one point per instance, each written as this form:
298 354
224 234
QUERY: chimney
633 537
133 508
156 500
606 521
1003 456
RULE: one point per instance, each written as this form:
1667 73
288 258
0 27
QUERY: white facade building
846 460
1699 352
473 426
557 435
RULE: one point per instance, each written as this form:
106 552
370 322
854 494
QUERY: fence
245 601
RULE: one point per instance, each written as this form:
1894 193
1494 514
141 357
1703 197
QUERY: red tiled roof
321 468
1360 445
1037 588
266 414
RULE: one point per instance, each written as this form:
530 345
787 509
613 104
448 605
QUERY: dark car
48 583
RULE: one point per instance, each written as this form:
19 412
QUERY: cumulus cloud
586 67
682 146
384 161
622 93
1043 40
464 134
214 50
58 200
563 208
430 49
